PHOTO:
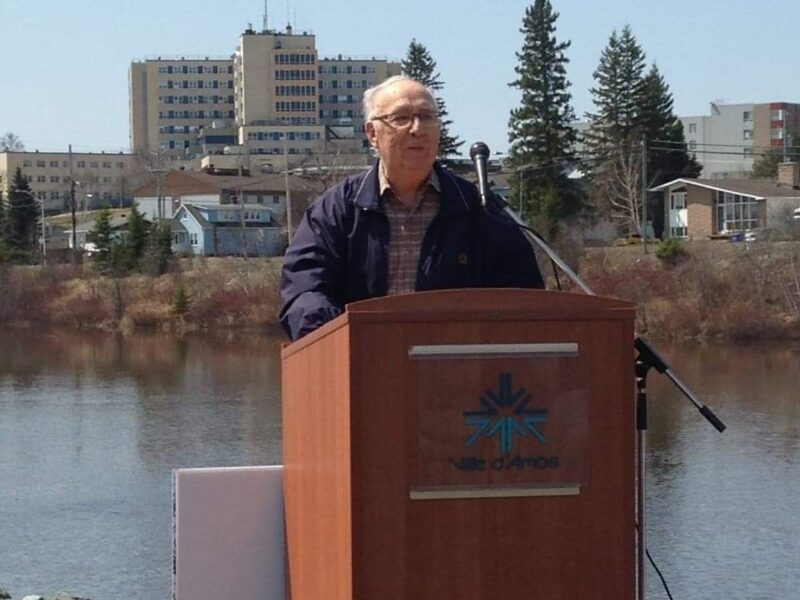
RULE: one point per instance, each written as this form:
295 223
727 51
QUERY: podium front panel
501 419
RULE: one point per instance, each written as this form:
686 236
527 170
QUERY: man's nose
416 125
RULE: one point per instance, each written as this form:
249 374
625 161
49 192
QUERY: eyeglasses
426 118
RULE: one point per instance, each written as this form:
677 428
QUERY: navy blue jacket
339 253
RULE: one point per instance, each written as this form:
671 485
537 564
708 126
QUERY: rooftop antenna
266 14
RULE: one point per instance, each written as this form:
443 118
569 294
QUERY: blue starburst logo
505 414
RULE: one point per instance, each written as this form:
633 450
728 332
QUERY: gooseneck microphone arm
646 359
479 152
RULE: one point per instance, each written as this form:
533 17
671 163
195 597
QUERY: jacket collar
454 198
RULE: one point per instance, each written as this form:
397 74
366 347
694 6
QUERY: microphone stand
646 359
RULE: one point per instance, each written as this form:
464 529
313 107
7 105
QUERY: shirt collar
383 181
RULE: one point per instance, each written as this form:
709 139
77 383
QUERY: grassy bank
712 290
201 294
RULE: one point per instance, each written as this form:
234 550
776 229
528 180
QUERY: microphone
479 153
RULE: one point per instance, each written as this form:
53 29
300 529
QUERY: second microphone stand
647 358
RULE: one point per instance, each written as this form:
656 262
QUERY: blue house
226 230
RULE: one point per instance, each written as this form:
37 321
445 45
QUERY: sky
65 65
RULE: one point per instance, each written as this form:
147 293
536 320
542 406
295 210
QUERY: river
91 426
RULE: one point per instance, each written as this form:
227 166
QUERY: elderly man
405 225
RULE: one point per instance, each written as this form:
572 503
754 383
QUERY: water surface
91 426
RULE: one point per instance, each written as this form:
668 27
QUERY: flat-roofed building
274 96
173 99
101 179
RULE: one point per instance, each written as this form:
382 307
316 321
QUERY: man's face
405 148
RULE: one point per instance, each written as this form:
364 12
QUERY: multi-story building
173 99
101 179
281 99
729 140
342 82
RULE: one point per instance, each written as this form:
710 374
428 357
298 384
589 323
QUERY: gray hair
368 100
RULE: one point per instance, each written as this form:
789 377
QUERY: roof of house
757 188
188 183
196 215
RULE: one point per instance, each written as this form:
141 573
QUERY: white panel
229 533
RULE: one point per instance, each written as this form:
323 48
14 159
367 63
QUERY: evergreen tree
419 65
618 96
101 236
3 245
616 130
136 238
2 217
22 219
633 107
540 131
667 155
158 251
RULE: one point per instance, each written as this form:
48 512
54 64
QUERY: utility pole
288 191
44 236
159 171
644 192
72 209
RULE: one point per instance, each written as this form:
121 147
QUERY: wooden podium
459 445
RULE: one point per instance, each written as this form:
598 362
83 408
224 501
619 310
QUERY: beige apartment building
173 99
281 99
101 179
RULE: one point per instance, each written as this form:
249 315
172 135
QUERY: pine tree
3 245
102 238
2 217
618 96
419 65
634 108
540 131
136 238
616 129
158 251
668 157
22 219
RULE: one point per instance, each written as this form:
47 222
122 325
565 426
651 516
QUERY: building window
777 115
677 200
748 134
776 134
747 152
692 145
747 115
735 212
40 163
692 127
193 239
678 232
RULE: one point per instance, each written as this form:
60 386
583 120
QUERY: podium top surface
485 304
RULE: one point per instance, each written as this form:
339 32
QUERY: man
405 225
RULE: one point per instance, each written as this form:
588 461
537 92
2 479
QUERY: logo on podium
505 414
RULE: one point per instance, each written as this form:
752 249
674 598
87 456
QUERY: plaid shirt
407 230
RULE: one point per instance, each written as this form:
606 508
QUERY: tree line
633 131
139 246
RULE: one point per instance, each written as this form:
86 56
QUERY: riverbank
711 290
200 294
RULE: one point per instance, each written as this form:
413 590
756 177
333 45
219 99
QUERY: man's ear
372 134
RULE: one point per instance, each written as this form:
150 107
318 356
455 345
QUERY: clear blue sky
65 65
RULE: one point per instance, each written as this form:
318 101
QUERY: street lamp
87 198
